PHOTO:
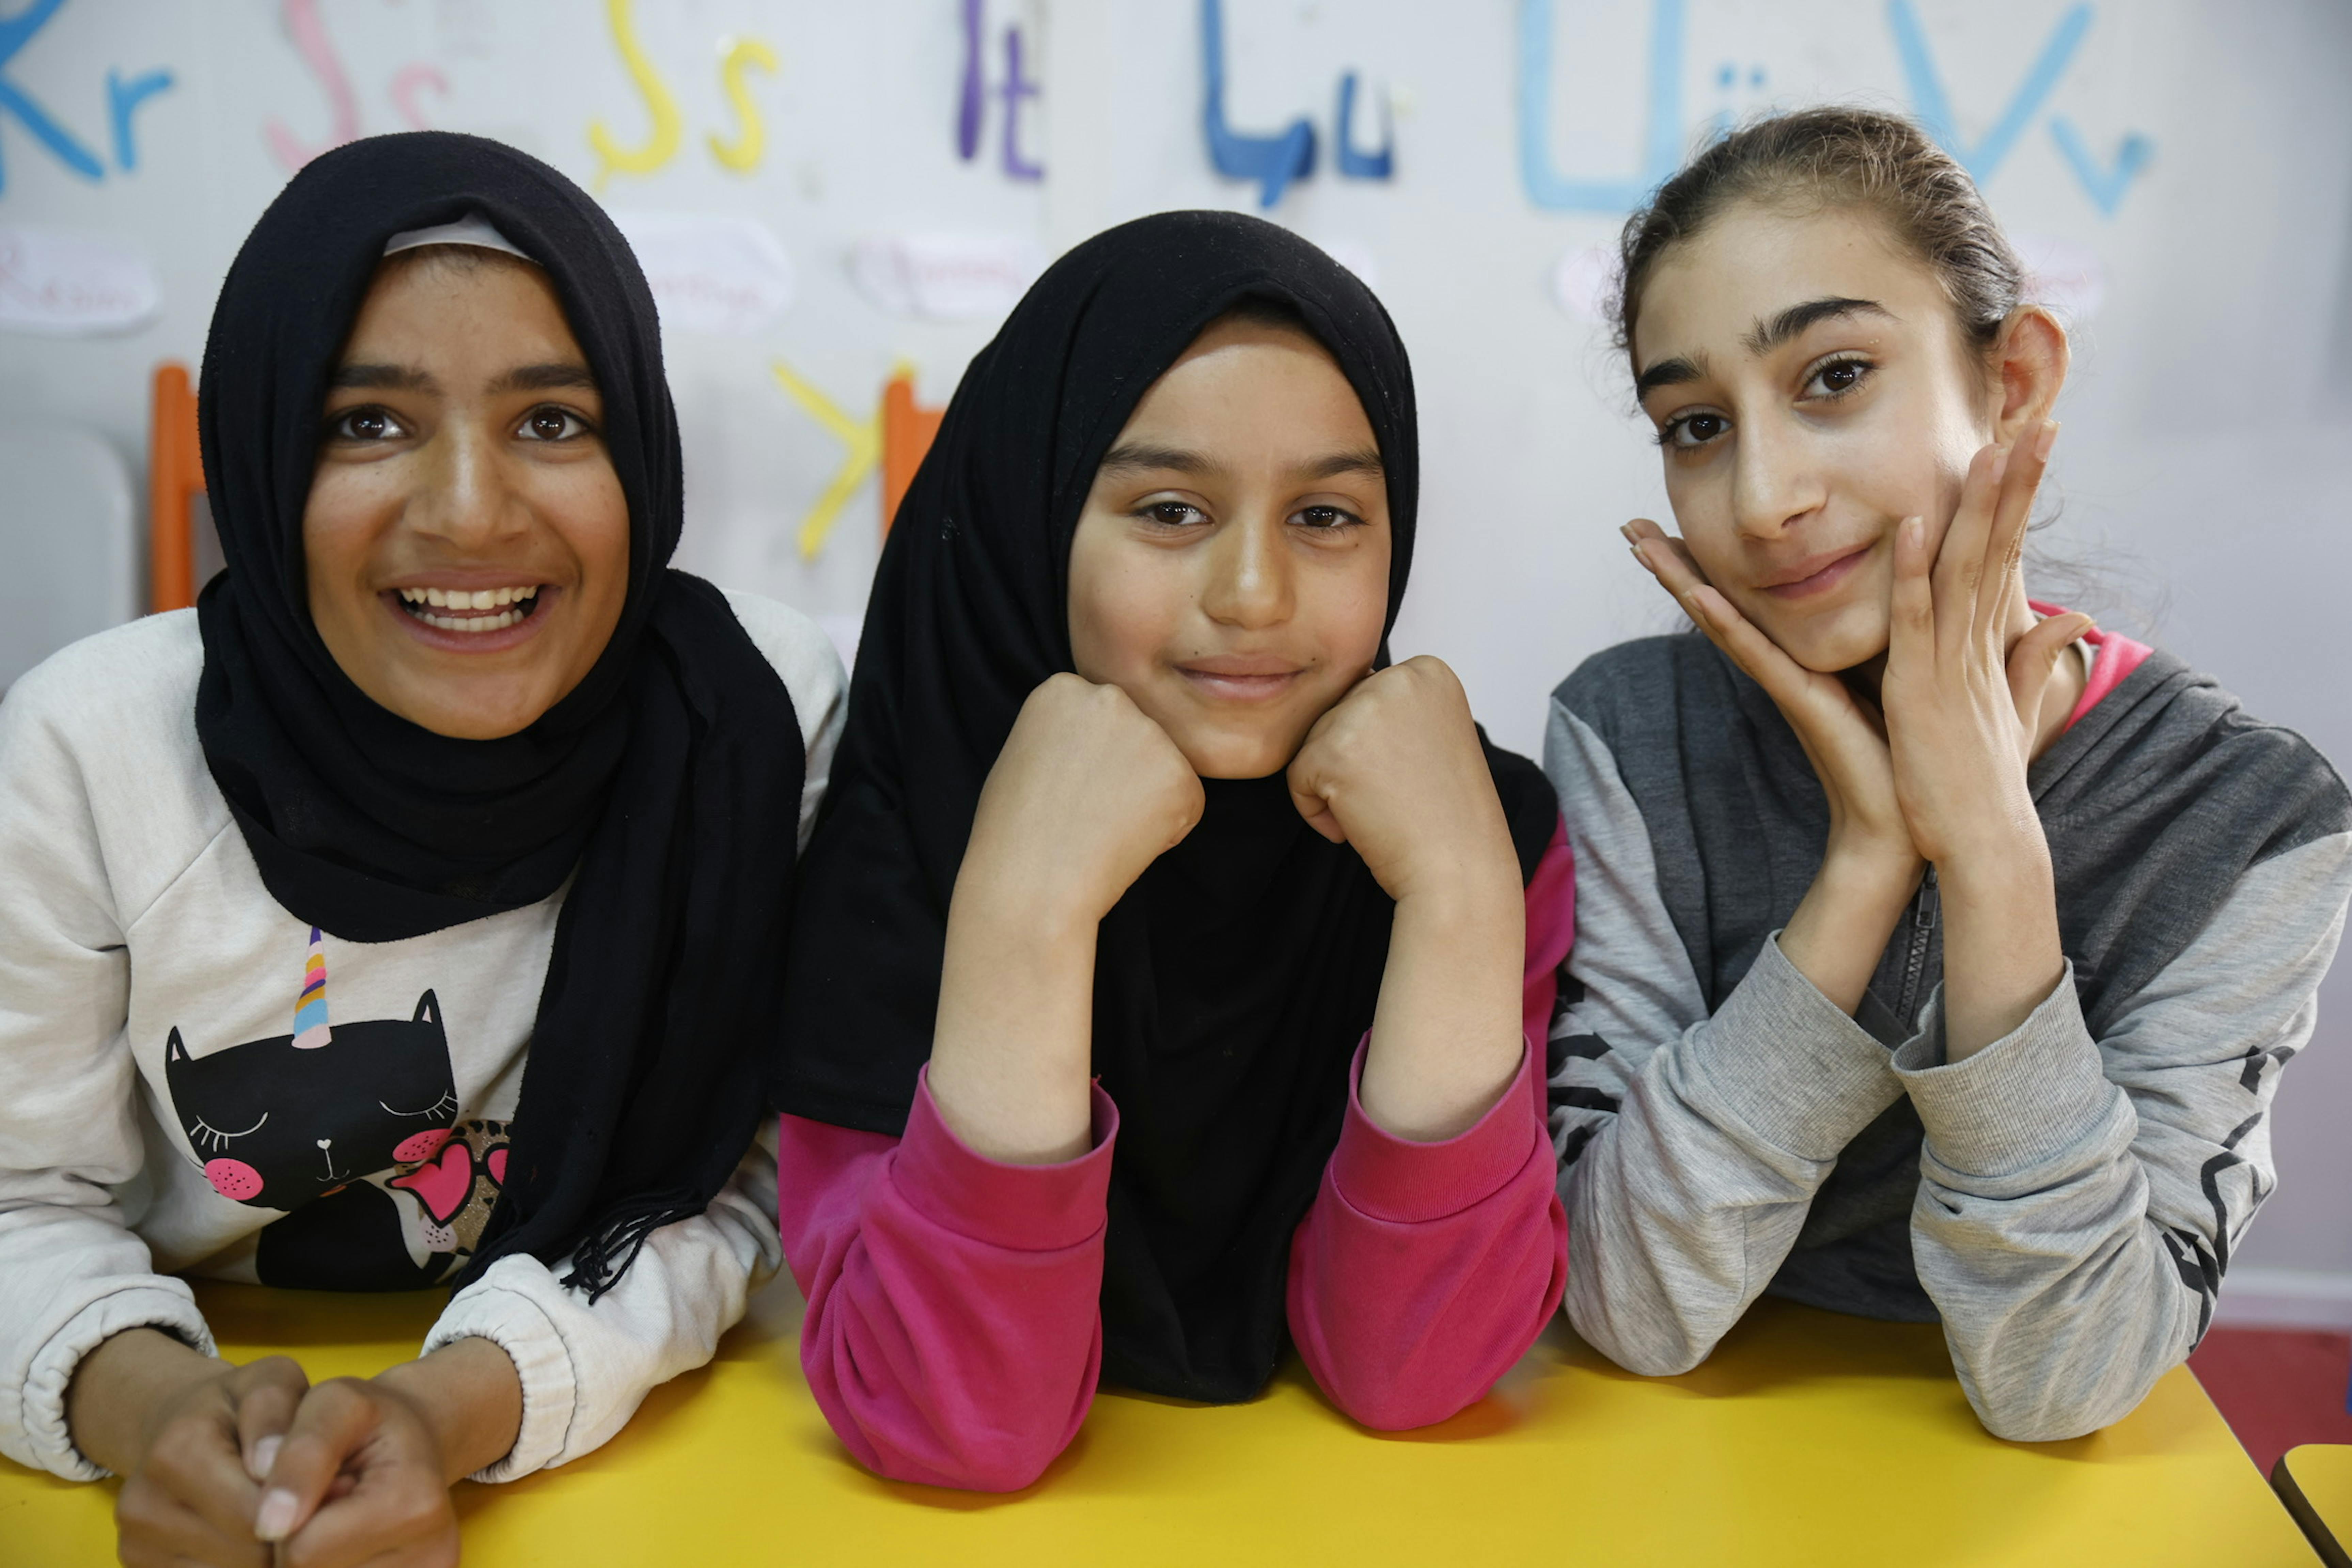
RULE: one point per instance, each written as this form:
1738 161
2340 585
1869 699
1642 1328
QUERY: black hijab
669 778
1231 1079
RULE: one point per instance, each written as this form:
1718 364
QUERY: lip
497 641
1241 677
1817 574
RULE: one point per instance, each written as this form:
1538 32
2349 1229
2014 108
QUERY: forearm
952 1335
1682 1203
119 1387
469 1395
1845 919
1011 1050
1447 1035
2001 949
1425 1271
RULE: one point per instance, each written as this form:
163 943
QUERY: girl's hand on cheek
1963 714
1395 769
1087 793
1841 737
1963 706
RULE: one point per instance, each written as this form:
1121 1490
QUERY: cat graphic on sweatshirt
300 1121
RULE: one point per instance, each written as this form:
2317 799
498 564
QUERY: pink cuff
1383 1177
1023 1208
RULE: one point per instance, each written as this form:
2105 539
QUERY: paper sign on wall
946 277
69 285
718 273
2065 276
1584 281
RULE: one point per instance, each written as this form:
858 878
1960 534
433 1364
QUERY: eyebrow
382 378
1669 373
1364 460
1130 455
1761 339
1139 456
1765 336
551 377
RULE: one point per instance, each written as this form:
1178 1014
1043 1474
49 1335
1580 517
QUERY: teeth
498 622
469 599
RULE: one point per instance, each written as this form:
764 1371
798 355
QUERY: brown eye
549 422
369 424
1173 514
1838 377
1326 517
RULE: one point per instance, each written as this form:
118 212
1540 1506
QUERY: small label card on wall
69 285
946 277
718 273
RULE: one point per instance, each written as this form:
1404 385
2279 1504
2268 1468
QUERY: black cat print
348 1128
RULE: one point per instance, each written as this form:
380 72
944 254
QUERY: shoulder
127 695
802 655
2173 720
1645 682
101 775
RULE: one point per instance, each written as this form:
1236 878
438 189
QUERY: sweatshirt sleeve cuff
2029 1096
1788 1062
1020 1208
1396 1179
510 1319
157 1302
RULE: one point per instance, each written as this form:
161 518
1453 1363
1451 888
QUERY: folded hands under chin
1935 771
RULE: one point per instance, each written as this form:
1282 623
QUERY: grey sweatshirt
2065 1200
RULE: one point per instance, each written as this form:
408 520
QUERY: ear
428 1010
2029 360
175 1048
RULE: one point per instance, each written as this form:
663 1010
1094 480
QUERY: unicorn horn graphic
311 1030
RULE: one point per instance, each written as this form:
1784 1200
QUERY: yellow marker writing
863 437
662 146
742 154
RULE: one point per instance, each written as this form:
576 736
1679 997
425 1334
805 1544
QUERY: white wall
2202 469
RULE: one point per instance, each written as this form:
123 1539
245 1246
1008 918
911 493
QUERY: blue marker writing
1274 161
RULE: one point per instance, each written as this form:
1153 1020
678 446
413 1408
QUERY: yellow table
1807 1438
2315 1481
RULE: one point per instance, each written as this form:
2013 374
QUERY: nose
464 499
1775 481
1249 581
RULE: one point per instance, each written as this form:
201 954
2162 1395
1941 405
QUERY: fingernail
2046 440
1999 463
273 1520
265 1454
1626 530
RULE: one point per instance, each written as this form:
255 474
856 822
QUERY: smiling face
1230 571
1811 388
466 539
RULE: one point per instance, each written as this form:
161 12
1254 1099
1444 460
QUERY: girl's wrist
469 1396
1997 865
1874 871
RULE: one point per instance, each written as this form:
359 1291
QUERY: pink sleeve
1425 1271
953 1333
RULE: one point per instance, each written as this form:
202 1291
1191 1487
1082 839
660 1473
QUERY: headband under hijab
1233 981
667 785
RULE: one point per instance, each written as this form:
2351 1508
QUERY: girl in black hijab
408 914
1129 792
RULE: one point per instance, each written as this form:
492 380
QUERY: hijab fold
665 788
1235 978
